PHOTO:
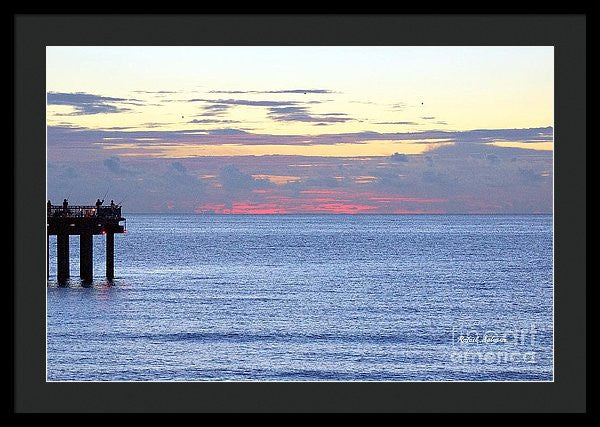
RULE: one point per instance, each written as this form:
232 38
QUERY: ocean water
309 298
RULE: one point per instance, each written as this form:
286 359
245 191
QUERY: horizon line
338 214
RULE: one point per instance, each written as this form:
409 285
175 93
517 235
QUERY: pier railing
83 211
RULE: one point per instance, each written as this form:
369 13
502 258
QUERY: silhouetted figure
112 204
99 203
65 206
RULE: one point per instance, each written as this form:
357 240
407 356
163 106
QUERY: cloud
178 167
218 107
434 177
301 114
235 181
398 157
113 164
460 180
208 121
230 132
399 106
155 91
215 110
245 102
396 123
79 137
529 175
153 124
86 103
493 158
278 110
303 91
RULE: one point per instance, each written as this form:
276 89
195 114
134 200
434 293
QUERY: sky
295 130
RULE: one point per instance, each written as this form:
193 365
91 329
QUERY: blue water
310 298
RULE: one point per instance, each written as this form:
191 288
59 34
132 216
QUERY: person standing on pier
65 206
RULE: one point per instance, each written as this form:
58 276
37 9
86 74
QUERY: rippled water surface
310 298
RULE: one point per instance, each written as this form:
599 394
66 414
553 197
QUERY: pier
85 221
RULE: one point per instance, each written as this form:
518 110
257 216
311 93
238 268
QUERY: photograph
300 213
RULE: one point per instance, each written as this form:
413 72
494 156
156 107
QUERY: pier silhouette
85 221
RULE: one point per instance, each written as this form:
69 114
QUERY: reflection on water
75 282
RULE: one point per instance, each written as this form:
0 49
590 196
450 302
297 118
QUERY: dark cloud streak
244 102
312 91
86 103
395 123
82 137
301 114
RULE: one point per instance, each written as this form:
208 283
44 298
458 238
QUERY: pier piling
62 256
110 256
86 256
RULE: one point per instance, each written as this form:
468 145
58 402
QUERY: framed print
279 219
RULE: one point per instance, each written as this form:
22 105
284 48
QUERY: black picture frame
32 33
